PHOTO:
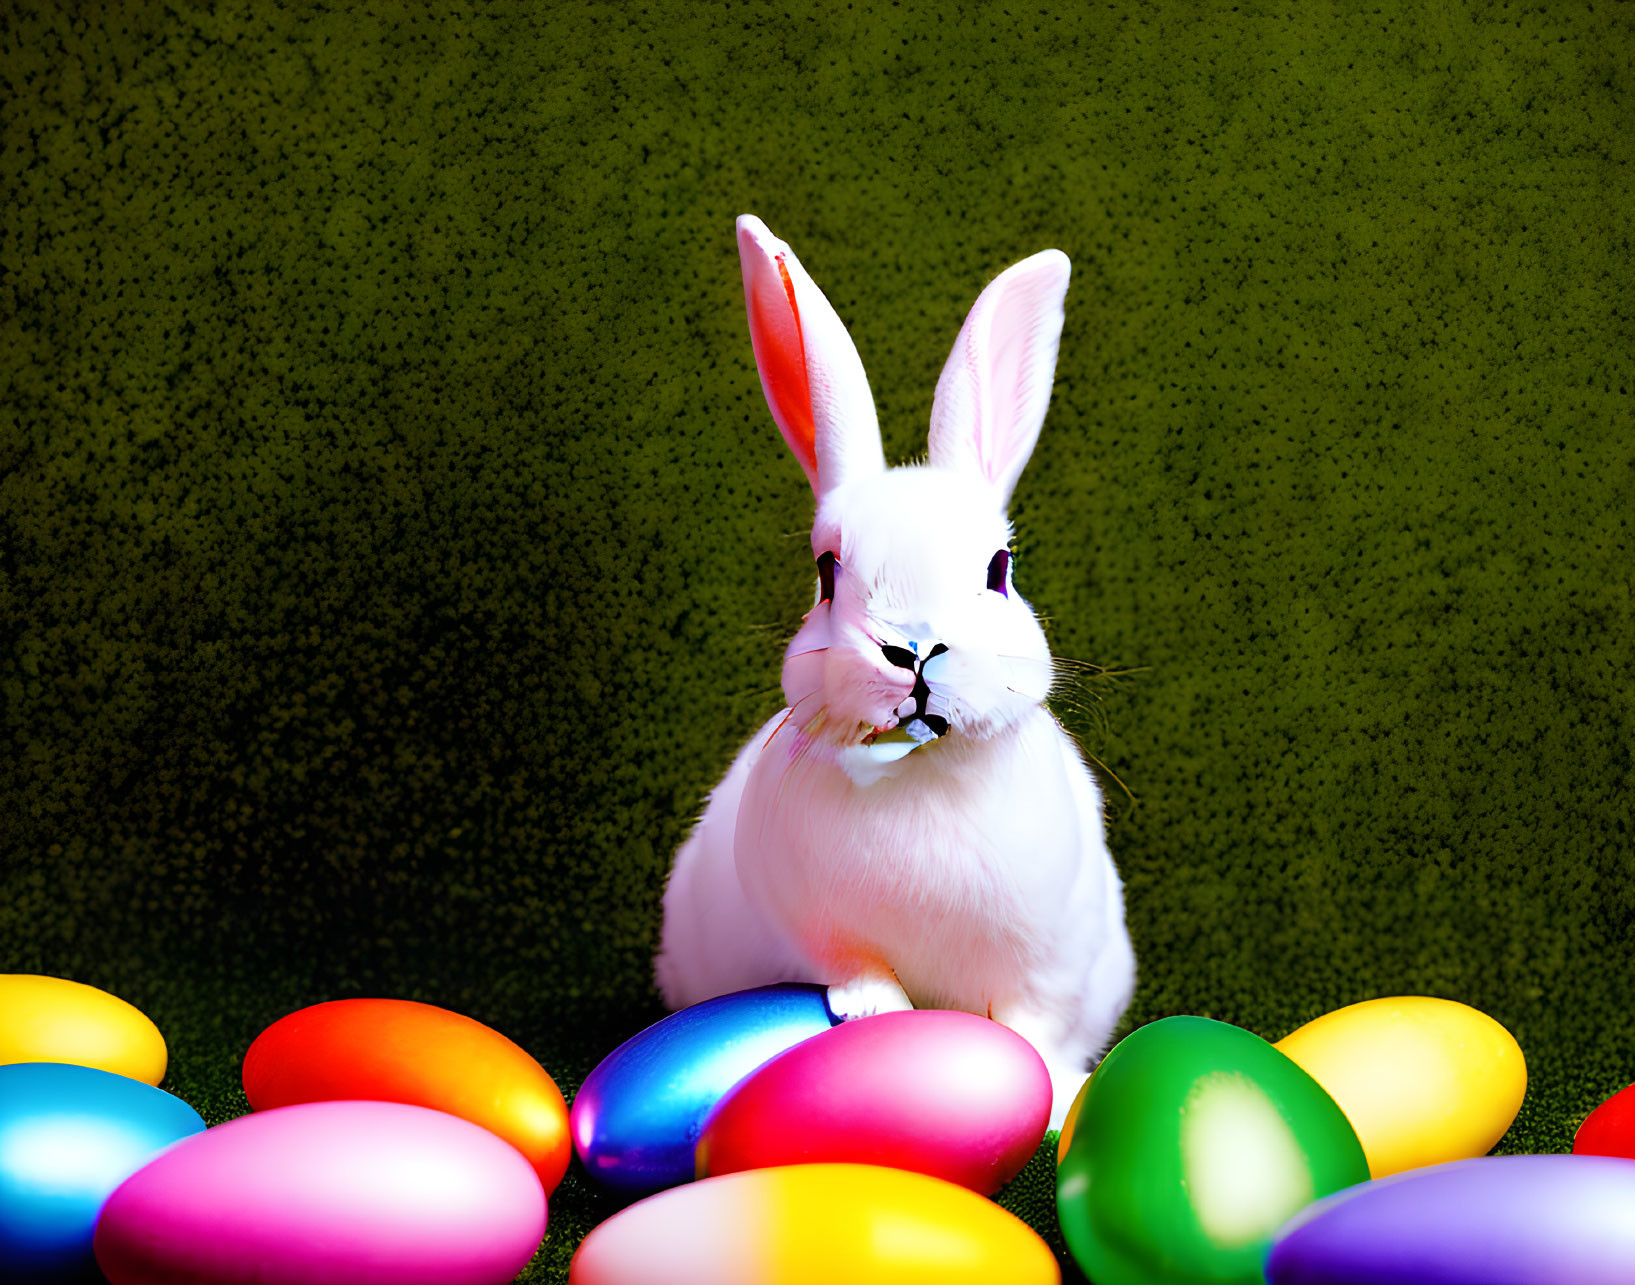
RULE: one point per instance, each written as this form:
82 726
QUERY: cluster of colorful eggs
760 1141
1353 1151
860 1152
390 1142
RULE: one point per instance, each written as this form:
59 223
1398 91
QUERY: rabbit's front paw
866 996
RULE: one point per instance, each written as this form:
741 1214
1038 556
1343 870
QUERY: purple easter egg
1497 1220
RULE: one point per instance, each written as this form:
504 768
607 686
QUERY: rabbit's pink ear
810 371
995 387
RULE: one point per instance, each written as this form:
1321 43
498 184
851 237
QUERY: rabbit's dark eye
998 569
826 577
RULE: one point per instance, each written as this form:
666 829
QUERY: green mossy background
395 544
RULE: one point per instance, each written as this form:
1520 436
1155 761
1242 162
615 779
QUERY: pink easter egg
327 1193
948 1094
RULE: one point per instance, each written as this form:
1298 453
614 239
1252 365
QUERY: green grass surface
395 545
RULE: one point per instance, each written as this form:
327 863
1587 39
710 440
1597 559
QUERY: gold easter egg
50 1019
1071 1122
1422 1080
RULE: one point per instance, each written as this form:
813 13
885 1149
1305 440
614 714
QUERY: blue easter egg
68 1136
637 1117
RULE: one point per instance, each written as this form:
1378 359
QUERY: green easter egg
1196 1141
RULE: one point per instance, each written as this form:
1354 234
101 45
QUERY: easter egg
396 1050
1196 1142
1070 1122
68 1136
327 1193
1422 1080
637 1117
802 1224
1495 1220
1610 1128
949 1094
51 1019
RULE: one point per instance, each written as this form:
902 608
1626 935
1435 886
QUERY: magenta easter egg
948 1094
327 1193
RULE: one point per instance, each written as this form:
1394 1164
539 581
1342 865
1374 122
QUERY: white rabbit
915 828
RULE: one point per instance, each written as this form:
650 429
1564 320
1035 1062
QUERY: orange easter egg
397 1050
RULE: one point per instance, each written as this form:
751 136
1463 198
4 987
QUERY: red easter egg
1610 1128
948 1094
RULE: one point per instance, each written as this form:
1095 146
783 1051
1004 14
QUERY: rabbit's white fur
973 872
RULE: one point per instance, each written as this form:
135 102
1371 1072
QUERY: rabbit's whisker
1072 662
1103 766
803 747
791 714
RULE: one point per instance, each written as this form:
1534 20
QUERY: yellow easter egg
815 1224
50 1019
1422 1080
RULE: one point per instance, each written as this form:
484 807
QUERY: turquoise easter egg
69 1135
1195 1143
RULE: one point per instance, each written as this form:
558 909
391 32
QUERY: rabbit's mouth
919 718
893 740
918 728
889 744
875 755
915 724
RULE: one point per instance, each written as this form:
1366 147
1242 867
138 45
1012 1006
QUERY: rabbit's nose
910 657
901 657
